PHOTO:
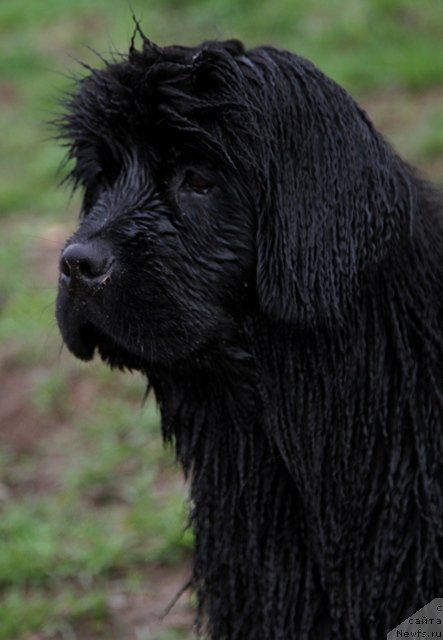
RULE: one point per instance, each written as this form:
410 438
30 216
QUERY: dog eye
197 183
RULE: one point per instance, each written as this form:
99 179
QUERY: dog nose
85 264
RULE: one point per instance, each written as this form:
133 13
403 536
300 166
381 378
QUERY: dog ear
334 196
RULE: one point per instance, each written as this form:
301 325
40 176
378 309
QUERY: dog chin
85 340
82 342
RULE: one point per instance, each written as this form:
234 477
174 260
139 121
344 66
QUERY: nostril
89 269
85 263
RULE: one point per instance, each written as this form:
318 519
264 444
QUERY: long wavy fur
312 428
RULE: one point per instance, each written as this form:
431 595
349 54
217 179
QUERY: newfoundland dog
253 245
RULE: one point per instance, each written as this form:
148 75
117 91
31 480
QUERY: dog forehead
154 87
155 100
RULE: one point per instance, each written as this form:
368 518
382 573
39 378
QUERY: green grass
46 612
92 504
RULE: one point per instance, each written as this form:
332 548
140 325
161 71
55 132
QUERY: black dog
254 246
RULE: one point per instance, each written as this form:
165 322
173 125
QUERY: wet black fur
289 319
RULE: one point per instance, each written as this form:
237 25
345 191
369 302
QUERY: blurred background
92 508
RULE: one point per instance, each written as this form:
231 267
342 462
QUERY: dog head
216 181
